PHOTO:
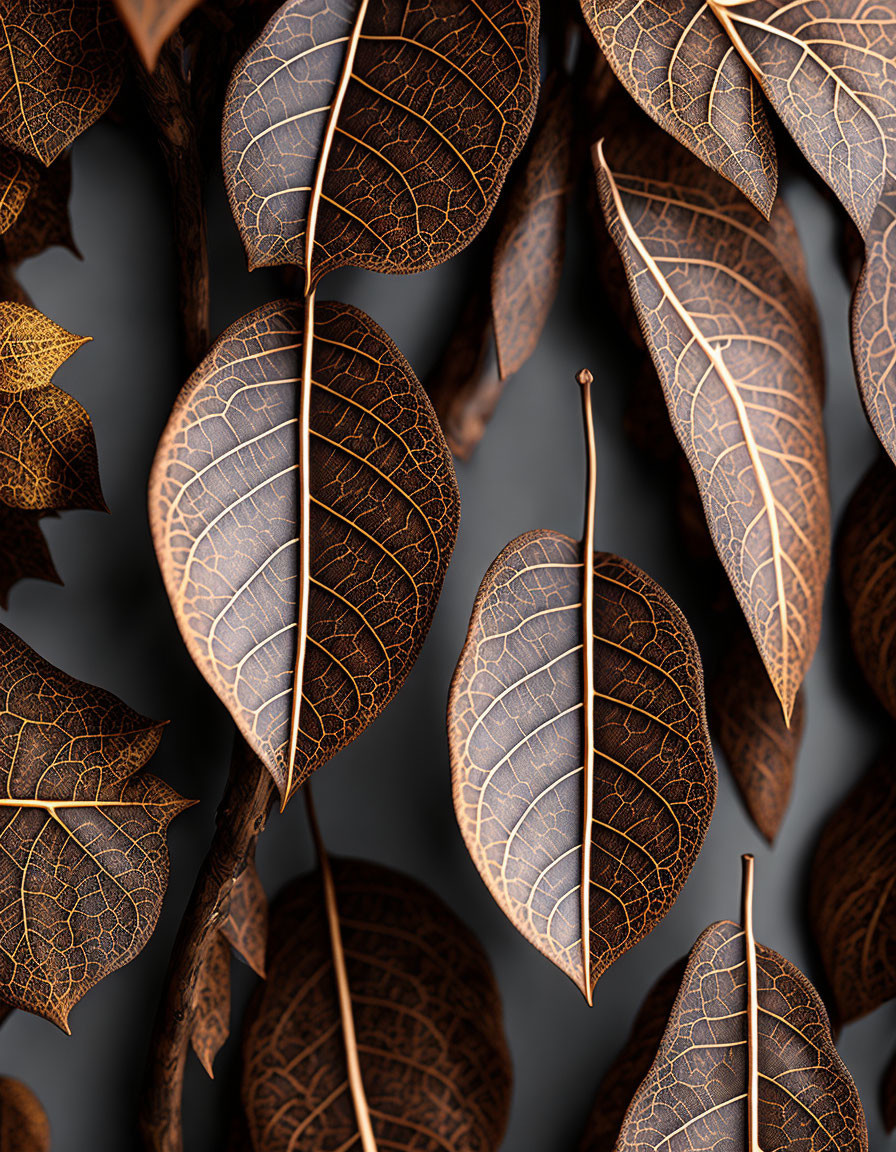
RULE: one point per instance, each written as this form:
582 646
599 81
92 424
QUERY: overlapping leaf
625 1074
385 509
867 560
676 60
760 748
694 1098
84 864
23 551
18 178
829 69
23 1123
44 220
377 135
60 69
874 324
852 899
47 447
151 22
734 338
426 1013
515 724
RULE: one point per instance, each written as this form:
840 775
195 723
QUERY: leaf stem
241 817
349 1036
585 380
752 1008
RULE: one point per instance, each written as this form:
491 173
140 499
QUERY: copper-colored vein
349 1036
752 1010
585 379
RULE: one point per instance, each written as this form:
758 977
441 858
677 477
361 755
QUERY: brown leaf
60 70
47 447
23 550
84 863
852 898
829 69
246 926
734 338
151 22
632 1064
677 62
874 324
866 552
23 1123
760 748
399 124
426 1013
515 728
211 1004
529 254
385 510
694 1099
44 221
18 178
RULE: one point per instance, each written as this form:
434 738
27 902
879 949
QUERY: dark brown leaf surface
385 510
694 1097
151 22
439 101
246 926
84 863
18 178
211 1007
23 1123
44 220
23 551
47 447
515 727
760 748
734 338
60 69
874 324
676 60
529 253
428 1020
829 69
866 551
625 1074
852 898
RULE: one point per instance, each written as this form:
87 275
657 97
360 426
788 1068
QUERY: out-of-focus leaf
47 448
18 178
44 220
377 135
23 1123
426 1015
874 324
151 22
852 897
23 551
84 864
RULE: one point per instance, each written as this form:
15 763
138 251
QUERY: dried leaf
44 221
377 135
694 1099
866 552
18 178
734 339
84 863
677 62
211 1004
632 1064
151 22
760 748
852 897
529 253
426 1013
385 509
47 447
515 726
23 1123
246 926
874 324
829 69
60 71
23 551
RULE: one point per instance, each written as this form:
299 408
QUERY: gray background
387 797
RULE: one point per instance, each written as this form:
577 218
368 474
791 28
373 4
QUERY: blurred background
388 796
